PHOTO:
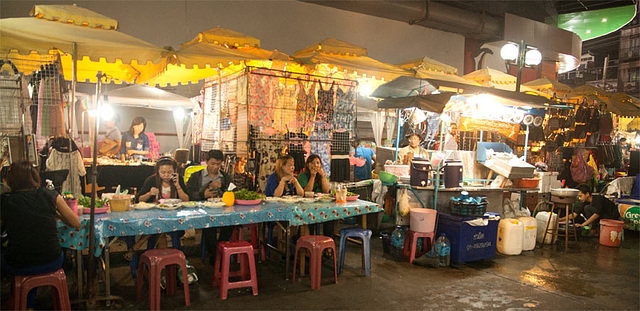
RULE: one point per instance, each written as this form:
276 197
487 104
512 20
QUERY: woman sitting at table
313 179
282 182
29 216
135 143
164 184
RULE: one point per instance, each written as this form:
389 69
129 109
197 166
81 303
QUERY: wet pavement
586 277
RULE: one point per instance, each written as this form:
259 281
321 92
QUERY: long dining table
109 226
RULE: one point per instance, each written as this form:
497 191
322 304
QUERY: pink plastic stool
221 271
22 284
156 260
316 244
411 241
258 247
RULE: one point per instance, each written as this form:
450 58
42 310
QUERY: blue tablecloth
154 221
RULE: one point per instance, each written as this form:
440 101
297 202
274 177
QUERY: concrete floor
587 277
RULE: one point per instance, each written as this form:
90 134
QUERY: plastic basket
467 209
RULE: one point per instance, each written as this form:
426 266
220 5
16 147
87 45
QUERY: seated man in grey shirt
110 144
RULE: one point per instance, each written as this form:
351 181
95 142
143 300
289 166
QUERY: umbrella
429 64
548 86
622 104
328 54
215 52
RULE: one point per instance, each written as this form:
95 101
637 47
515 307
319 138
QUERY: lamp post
521 55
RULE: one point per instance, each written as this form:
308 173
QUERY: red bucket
611 232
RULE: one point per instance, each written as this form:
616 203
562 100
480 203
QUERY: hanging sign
509 130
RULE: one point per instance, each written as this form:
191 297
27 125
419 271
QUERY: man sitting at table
210 182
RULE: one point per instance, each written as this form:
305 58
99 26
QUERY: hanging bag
580 170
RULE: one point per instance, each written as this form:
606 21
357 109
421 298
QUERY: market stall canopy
216 52
548 86
408 86
429 64
488 77
120 56
147 96
72 14
333 53
433 103
634 125
622 104
584 90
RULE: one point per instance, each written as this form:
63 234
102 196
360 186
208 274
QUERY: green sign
592 24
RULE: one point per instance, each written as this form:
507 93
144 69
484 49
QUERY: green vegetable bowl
388 178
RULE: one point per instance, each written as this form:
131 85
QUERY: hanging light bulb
532 57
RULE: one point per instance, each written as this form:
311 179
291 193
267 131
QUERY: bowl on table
353 197
248 202
565 192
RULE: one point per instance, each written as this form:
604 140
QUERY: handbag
580 170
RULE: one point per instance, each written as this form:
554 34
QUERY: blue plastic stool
365 235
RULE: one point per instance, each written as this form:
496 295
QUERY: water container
542 218
530 232
443 250
420 169
397 243
510 232
422 219
611 232
452 174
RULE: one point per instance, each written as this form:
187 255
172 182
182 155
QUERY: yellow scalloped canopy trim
73 15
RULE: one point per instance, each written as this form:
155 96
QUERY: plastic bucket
73 204
611 232
422 220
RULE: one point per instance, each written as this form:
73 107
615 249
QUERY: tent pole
437 183
526 143
397 135
91 273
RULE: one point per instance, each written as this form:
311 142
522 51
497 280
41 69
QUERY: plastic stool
255 242
221 271
363 234
316 244
156 260
22 284
411 243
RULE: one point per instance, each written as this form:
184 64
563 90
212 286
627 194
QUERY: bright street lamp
521 55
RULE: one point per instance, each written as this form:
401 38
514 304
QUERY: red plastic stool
411 241
316 244
156 260
22 284
255 242
221 271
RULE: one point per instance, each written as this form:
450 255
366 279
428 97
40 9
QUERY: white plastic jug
510 232
530 231
542 218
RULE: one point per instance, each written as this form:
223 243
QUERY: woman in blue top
282 182
135 143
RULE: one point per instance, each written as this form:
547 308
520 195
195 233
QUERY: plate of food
170 201
308 200
168 207
191 204
212 204
271 199
143 206
325 198
352 196
290 199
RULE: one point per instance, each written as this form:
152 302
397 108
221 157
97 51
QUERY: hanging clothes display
262 98
324 113
285 114
306 106
344 109
62 161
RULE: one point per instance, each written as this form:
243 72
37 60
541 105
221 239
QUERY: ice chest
468 242
420 169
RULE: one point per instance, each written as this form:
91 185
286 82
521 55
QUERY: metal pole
72 113
397 135
526 143
91 273
520 63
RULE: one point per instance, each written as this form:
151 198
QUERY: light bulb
178 113
532 58
509 51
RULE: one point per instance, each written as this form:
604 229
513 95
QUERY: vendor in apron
413 150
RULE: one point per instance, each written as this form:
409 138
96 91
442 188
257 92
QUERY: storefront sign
509 130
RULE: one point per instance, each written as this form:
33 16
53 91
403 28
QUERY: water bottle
397 243
443 250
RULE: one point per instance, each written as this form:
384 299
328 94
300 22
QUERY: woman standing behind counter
135 143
